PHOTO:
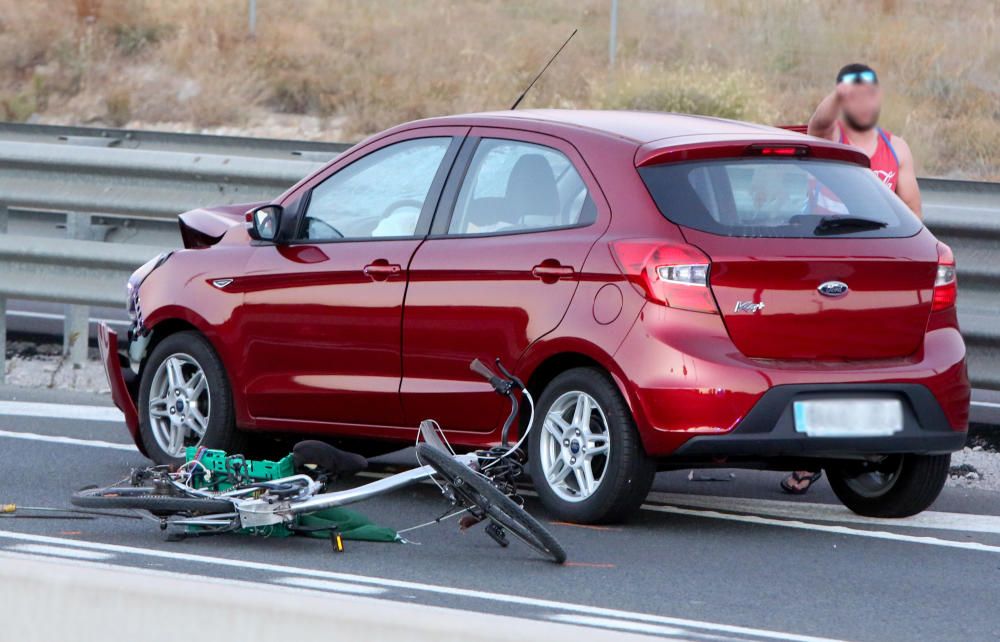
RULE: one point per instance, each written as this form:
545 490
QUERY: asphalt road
731 559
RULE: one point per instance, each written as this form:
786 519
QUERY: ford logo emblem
833 288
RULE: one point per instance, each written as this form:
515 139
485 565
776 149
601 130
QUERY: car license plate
848 417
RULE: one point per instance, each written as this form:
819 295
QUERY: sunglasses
860 78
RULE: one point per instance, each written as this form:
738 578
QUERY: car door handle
380 270
551 271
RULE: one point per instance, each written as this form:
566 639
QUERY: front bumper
121 380
768 430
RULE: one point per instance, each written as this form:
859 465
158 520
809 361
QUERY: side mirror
264 222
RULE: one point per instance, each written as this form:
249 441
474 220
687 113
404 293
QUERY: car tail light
672 274
946 281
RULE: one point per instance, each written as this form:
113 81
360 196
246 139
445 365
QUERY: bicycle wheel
145 498
476 489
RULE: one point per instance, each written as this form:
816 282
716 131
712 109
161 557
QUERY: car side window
513 186
379 195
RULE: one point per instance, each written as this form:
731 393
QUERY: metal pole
3 307
613 34
252 17
76 328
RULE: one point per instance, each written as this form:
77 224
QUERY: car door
497 272
321 315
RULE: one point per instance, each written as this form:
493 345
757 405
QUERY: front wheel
476 490
185 400
587 462
895 486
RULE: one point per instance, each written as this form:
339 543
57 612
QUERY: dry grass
362 65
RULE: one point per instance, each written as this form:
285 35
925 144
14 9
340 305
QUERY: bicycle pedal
497 534
337 541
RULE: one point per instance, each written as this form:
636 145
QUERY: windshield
778 198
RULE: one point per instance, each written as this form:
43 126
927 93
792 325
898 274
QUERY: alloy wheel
575 444
874 479
179 404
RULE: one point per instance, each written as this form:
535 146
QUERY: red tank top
884 161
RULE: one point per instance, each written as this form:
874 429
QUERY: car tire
185 407
899 486
620 474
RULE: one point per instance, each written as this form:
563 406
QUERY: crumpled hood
205 226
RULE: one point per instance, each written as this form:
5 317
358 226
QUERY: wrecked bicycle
194 501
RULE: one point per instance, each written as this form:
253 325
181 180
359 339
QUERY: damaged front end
122 380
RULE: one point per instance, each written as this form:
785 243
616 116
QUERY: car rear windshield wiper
845 224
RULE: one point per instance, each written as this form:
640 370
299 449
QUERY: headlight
132 302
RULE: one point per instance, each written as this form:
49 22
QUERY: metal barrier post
3 307
76 328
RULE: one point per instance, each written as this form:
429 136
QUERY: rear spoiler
780 144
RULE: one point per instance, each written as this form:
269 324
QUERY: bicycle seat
322 458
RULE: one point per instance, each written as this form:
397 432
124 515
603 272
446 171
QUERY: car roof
636 126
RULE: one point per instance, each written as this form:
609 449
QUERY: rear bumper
685 381
119 374
768 430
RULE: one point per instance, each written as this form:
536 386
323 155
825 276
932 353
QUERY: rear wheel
147 498
185 400
896 486
587 462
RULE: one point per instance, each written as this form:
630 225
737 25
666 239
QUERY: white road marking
60 411
61 551
417 586
932 520
635 627
326 585
985 404
826 528
59 439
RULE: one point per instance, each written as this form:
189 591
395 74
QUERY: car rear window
790 198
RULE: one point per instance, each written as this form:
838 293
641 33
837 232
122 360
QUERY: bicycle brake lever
507 373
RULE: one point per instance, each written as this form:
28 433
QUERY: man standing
849 115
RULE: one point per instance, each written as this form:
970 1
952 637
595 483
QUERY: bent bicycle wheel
145 498
477 490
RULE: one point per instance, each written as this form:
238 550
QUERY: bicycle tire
144 498
498 506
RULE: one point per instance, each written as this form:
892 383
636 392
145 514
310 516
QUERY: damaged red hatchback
676 291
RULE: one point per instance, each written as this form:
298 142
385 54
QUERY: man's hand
824 120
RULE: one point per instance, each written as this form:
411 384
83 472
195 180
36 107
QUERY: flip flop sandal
812 478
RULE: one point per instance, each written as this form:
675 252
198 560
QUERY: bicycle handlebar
481 369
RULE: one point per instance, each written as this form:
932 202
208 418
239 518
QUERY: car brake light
777 150
672 274
946 281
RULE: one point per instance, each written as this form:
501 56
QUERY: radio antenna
532 84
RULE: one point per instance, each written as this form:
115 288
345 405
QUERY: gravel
975 467
43 366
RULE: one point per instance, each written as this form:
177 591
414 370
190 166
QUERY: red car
676 291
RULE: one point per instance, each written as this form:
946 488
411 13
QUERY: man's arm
906 185
824 120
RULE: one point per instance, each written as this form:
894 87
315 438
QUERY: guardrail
83 180
171 142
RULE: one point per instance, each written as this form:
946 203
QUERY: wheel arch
539 370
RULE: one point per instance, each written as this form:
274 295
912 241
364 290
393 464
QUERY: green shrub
702 90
